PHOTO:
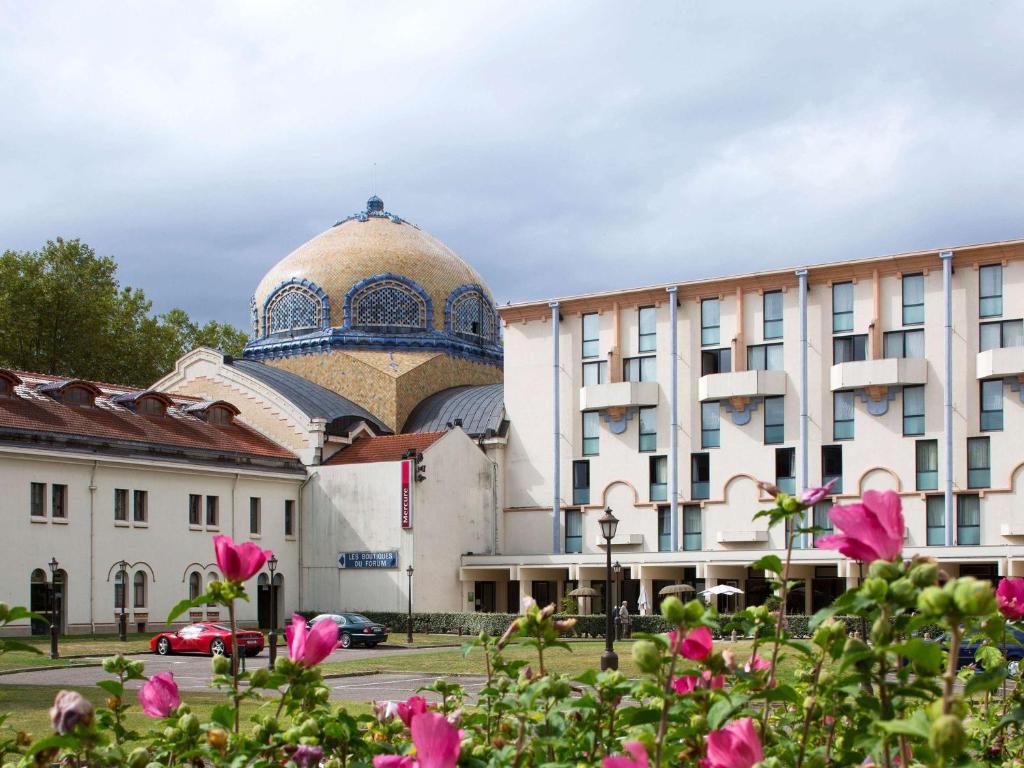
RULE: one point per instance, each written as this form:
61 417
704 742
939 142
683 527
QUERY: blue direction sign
368 560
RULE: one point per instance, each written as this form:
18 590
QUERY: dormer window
78 396
220 416
146 403
150 406
218 412
8 381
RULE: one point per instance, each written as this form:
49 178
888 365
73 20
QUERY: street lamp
54 609
617 570
609 523
122 622
408 621
272 566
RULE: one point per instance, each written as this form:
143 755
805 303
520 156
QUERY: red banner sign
406 494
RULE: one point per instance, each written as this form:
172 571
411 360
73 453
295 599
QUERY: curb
339 675
50 667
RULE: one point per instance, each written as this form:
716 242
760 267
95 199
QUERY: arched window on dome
388 303
471 316
294 308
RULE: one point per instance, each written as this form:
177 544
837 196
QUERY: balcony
621 394
887 372
742 537
741 384
1008 361
624 540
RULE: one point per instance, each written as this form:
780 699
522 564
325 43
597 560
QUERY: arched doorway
263 601
39 600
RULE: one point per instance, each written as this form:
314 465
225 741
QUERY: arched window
119 579
139 590
78 396
294 308
150 406
389 304
472 316
195 585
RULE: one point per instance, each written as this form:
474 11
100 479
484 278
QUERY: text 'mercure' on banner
406 494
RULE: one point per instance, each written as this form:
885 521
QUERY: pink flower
696 645
637 758
313 646
1010 594
687 683
393 761
159 695
812 496
239 562
70 709
735 746
872 530
307 756
407 710
437 741
756 664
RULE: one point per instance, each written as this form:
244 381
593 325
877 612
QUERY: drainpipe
92 547
234 487
298 529
947 397
556 434
802 276
494 507
673 434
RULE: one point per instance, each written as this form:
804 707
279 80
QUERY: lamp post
408 621
122 621
609 523
617 570
272 566
54 609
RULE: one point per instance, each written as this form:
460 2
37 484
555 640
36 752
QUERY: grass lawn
71 645
397 639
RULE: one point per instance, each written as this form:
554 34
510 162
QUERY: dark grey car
353 629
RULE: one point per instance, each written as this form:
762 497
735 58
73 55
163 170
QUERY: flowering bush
888 697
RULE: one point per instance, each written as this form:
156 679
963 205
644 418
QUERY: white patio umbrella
642 605
721 589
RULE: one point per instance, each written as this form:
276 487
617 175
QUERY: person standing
624 618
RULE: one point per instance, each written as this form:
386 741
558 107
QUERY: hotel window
793 528
935 511
913 411
700 476
590 335
710 321
774 420
212 503
849 349
659 478
764 357
59 501
140 506
254 515
573 531
968 519
715 361
990 290
581 482
991 405
842 415
139 590
648 318
639 368
979 474
692 532
842 307
664 529
289 517
648 429
773 315
37 499
591 438
832 466
913 299
1008 333
195 509
195 585
710 421
121 504
927 464
821 521
785 469
595 373
904 343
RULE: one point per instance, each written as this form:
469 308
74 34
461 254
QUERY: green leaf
723 709
927 656
988 680
17 645
60 742
640 715
587 678
224 716
1015 715
917 725
783 693
113 687
184 605
768 563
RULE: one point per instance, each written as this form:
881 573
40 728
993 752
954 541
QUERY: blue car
1013 649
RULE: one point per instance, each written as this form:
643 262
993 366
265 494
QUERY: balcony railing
741 384
886 372
1007 361
620 394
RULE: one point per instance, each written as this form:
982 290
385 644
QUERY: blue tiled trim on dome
325 302
463 289
411 284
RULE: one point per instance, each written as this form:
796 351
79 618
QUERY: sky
560 147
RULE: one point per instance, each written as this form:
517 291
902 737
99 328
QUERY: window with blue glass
573 531
710 322
979 464
999 335
968 519
715 361
473 317
648 322
785 469
822 522
772 315
794 525
664 529
294 308
388 304
595 372
832 466
842 307
913 411
991 405
764 357
591 433
990 290
710 425
692 528
648 429
842 415
639 368
927 464
700 476
590 335
849 349
659 478
904 344
774 420
935 512
913 299
581 482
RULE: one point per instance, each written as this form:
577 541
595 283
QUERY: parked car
1013 649
353 629
206 637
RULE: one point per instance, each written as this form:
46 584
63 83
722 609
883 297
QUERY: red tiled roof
33 411
385 448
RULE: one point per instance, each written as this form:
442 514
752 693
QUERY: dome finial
374 205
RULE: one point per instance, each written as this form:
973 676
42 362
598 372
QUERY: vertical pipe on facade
673 434
802 276
947 385
92 547
556 434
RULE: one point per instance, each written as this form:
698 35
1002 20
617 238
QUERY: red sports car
206 637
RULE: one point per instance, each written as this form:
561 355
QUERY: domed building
379 312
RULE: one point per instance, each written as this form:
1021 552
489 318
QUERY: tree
63 312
